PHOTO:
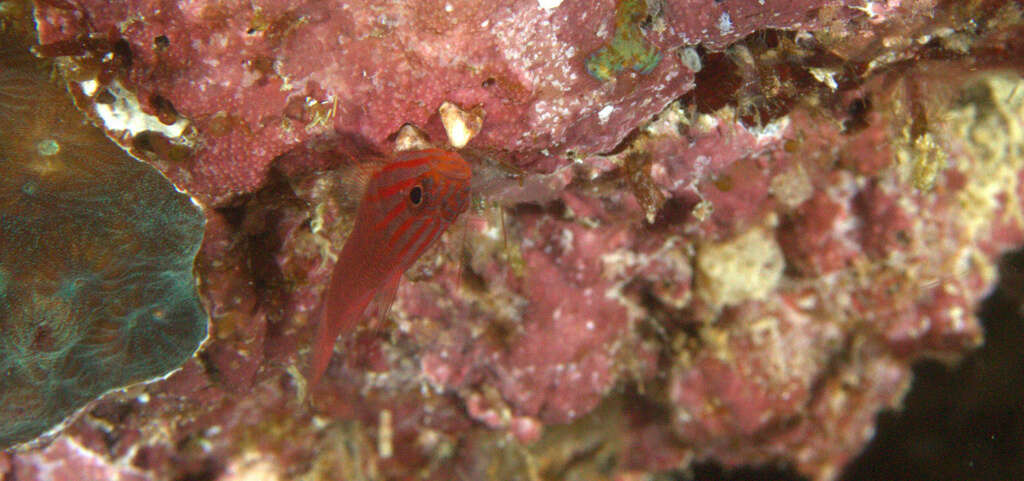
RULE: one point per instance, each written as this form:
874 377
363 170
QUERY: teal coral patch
96 265
628 47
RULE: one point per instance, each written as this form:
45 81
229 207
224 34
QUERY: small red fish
406 205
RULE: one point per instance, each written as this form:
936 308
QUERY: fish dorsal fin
347 184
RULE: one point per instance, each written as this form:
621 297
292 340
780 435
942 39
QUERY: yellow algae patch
746 267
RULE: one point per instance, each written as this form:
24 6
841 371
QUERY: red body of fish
406 205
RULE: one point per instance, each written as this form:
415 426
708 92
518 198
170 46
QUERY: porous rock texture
732 254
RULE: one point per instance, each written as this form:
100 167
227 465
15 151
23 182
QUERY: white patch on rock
549 4
125 114
825 75
746 267
605 113
792 187
460 125
411 137
690 59
771 132
89 87
725 23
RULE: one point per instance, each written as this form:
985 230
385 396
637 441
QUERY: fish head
431 183
413 198
449 182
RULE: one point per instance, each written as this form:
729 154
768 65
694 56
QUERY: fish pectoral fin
380 306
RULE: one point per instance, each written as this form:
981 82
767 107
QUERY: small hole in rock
105 97
122 51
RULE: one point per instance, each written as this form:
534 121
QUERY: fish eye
416 195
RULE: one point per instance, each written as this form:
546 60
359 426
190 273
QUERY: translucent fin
491 171
351 181
380 307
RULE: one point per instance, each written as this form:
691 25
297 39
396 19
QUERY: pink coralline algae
733 253
256 80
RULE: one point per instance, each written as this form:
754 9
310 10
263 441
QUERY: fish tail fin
338 314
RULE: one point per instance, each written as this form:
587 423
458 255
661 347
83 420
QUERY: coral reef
96 282
733 253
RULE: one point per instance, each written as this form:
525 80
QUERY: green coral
628 47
